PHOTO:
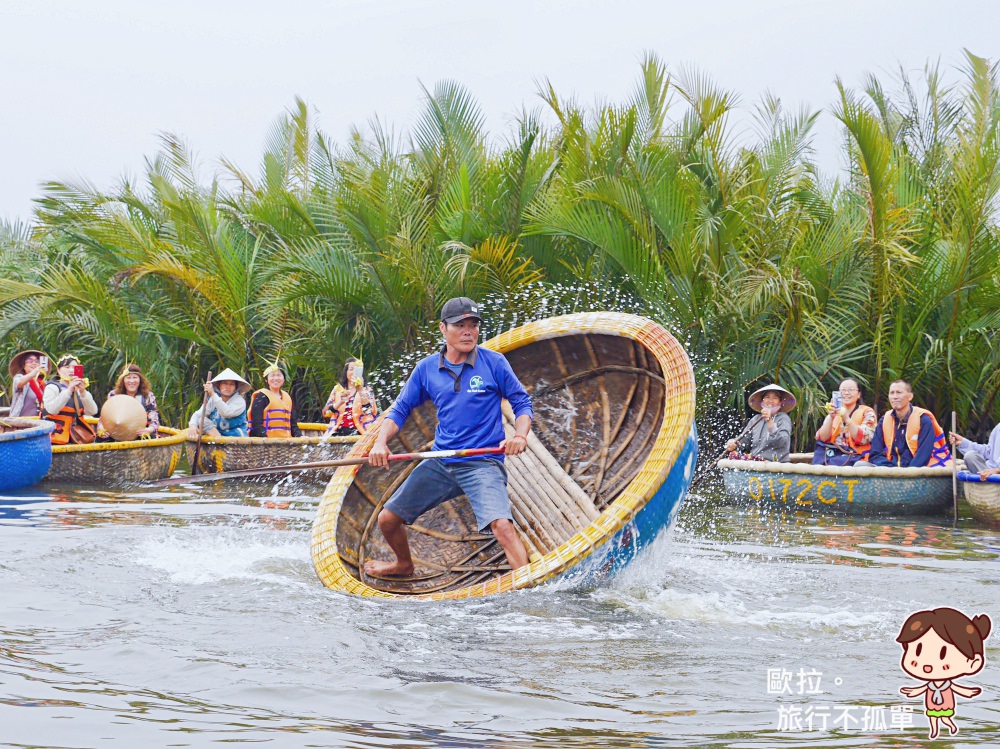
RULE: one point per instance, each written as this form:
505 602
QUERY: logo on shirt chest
476 385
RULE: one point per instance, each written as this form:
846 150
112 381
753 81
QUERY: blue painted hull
656 516
838 490
25 456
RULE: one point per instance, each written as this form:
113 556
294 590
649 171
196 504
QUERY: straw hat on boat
17 363
122 417
787 399
242 386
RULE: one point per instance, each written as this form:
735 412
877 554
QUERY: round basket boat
610 457
117 463
860 489
983 496
25 452
242 453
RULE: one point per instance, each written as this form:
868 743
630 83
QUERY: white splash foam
201 556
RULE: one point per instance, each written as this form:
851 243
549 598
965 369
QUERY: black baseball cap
458 309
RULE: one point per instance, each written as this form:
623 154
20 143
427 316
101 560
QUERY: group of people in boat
465 382
66 400
907 436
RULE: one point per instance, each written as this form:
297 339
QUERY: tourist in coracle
768 436
981 459
909 437
466 383
226 413
351 406
845 436
133 382
28 391
272 411
67 399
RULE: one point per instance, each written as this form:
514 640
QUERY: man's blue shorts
433 482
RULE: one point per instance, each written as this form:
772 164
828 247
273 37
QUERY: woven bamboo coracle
241 453
610 455
117 463
859 489
25 452
983 496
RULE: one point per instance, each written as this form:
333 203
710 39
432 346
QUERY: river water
191 617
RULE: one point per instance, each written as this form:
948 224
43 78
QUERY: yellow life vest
857 418
277 414
940 455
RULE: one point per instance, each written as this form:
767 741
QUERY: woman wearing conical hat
272 412
28 369
133 382
769 436
226 413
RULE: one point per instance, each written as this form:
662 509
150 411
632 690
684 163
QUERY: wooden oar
201 429
323 464
710 466
954 470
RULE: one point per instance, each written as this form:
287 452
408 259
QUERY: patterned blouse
149 403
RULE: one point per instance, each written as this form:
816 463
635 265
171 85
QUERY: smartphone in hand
836 399
78 371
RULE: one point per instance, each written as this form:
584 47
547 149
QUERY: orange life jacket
63 420
277 414
857 418
940 456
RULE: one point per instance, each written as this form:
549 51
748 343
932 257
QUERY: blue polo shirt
468 404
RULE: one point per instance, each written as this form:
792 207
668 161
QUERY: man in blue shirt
466 383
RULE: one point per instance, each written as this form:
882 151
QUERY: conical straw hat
242 386
123 416
787 399
17 363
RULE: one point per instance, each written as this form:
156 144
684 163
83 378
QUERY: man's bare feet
388 569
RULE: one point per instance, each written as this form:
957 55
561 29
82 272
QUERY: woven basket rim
304 426
172 437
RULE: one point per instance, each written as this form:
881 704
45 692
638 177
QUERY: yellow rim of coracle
319 439
172 437
675 428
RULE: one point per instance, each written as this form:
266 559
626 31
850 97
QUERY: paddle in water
708 467
291 468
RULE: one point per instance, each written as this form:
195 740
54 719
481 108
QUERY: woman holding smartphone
845 436
67 399
28 369
351 407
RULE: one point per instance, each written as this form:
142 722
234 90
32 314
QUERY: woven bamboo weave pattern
983 497
241 453
613 396
117 463
862 489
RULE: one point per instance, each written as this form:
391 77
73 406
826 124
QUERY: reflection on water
191 616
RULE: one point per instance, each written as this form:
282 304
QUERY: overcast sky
86 87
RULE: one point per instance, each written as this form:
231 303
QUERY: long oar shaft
293 467
954 470
195 465
750 425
